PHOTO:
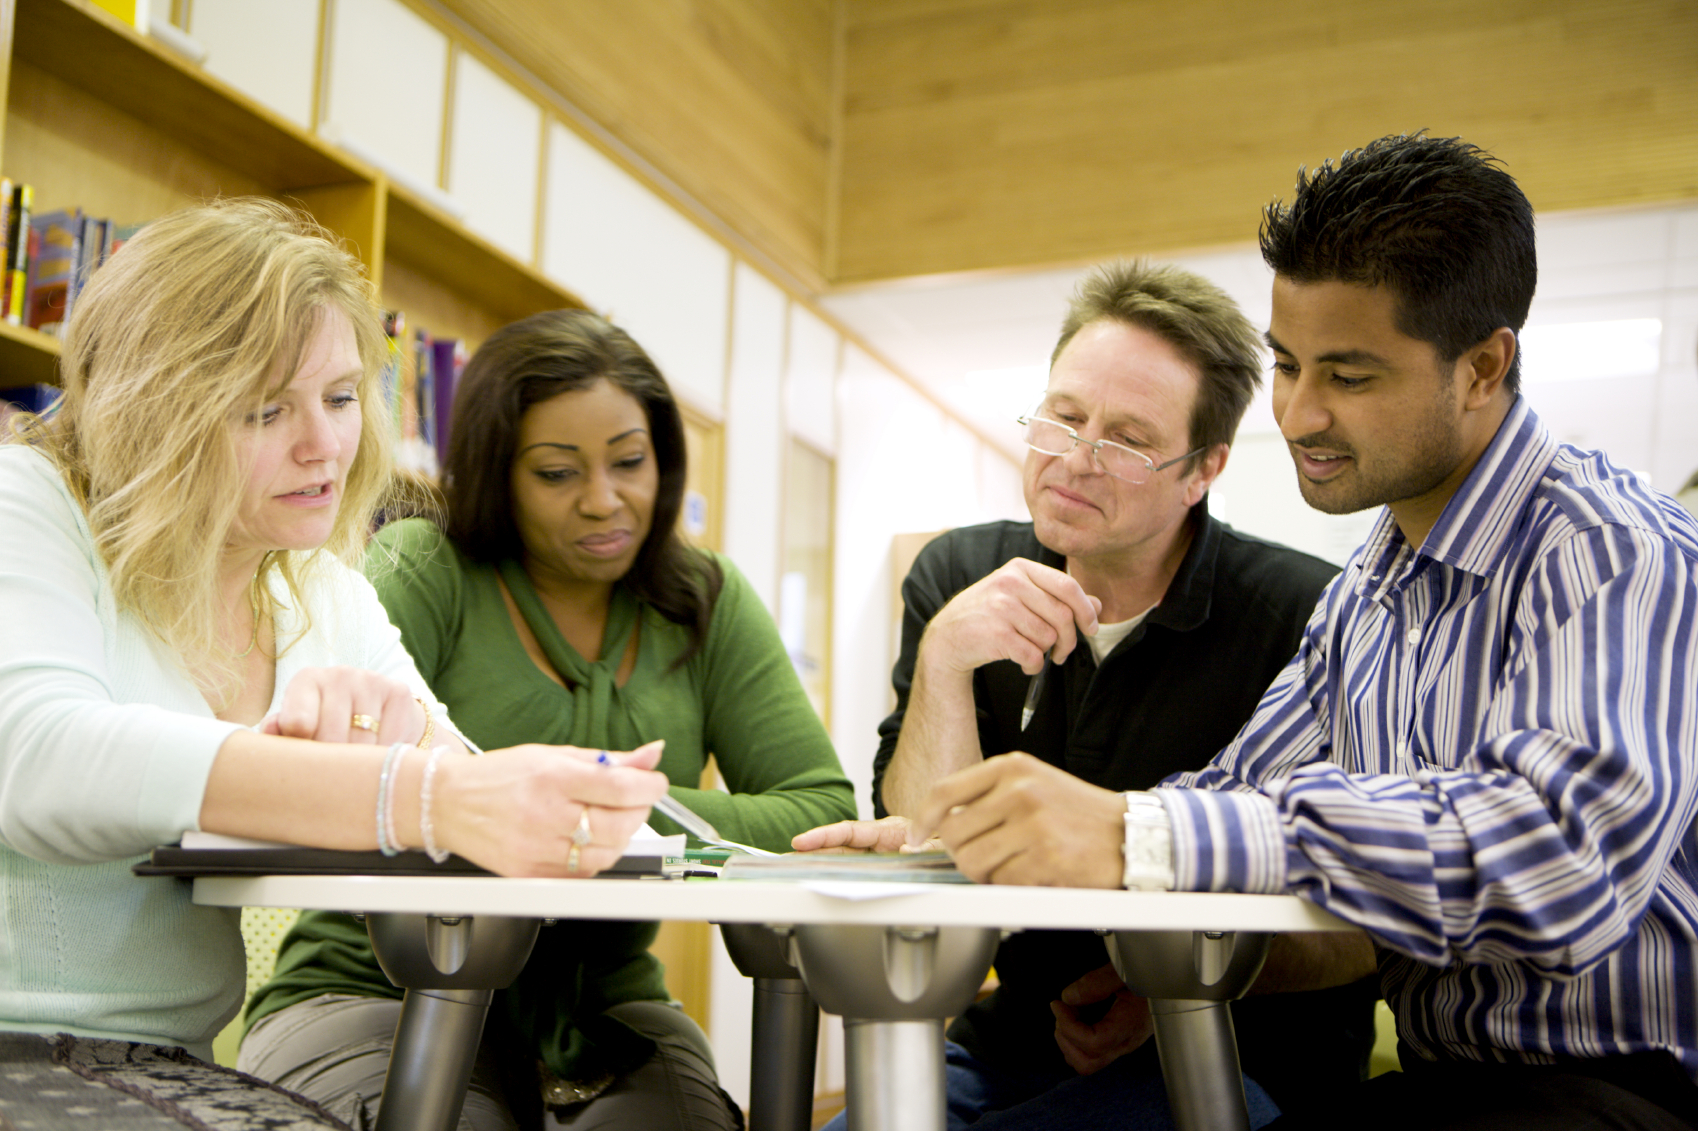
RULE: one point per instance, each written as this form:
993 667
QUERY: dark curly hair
534 360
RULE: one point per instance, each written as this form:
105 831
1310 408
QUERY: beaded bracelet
426 829
387 842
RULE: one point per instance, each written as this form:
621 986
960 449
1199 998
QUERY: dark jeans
1642 1092
1128 1093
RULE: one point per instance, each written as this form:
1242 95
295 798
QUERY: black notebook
291 860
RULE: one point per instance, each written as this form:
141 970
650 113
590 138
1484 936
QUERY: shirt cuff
1225 841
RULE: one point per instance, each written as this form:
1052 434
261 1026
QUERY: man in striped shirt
1484 751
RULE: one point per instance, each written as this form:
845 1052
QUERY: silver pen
698 827
1034 692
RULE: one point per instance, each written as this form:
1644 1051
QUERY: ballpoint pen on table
696 826
1034 692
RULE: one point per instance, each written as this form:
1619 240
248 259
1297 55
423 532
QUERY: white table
894 966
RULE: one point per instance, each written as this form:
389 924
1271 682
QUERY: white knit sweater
105 747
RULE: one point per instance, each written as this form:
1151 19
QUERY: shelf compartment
86 47
27 357
424 240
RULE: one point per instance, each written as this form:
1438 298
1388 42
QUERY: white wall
754 430
903 466
635 258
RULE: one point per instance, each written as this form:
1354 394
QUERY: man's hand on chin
1014 819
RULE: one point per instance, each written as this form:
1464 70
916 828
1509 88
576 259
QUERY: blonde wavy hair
180 337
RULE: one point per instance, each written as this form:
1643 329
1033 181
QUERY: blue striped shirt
1484 755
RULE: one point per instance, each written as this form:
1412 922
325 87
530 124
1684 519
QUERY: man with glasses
1122 635
1485 753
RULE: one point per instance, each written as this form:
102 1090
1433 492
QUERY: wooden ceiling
860 140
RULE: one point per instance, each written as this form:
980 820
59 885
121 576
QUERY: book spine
450 359
7 189
88 249
18 234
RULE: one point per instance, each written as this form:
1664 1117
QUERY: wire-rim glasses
1128 465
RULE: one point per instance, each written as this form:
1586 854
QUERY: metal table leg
893 986
1191 977
450 968
786 1028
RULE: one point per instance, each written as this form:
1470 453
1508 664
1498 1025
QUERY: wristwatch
1148 851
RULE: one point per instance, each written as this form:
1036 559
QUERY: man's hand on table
1014 819
889 834
1090 1045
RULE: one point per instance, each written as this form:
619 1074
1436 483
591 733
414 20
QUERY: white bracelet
1148 848
426 830
387 842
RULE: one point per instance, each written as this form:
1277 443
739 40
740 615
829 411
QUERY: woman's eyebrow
575 448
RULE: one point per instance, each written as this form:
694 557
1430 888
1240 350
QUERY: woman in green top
561 605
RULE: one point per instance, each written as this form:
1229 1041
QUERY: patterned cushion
121 1086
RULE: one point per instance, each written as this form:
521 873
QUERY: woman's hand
348 705
538 810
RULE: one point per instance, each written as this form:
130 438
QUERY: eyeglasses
1056 439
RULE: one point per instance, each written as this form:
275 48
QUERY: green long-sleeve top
738 698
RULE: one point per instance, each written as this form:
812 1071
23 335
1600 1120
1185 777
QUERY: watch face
1149 845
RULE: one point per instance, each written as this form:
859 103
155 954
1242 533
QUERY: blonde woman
186 647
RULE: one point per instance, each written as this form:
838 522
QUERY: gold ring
572 859
364 722
582 835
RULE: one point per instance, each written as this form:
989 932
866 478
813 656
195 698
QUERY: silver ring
364 722
582 835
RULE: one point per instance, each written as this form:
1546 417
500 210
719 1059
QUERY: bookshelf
102 117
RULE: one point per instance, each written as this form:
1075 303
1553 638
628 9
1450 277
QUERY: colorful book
121 234
54 259
424 388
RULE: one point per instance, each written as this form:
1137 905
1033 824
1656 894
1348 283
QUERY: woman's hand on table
538 810
888 834
345 704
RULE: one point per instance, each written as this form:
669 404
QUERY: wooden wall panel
729 98
996 133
